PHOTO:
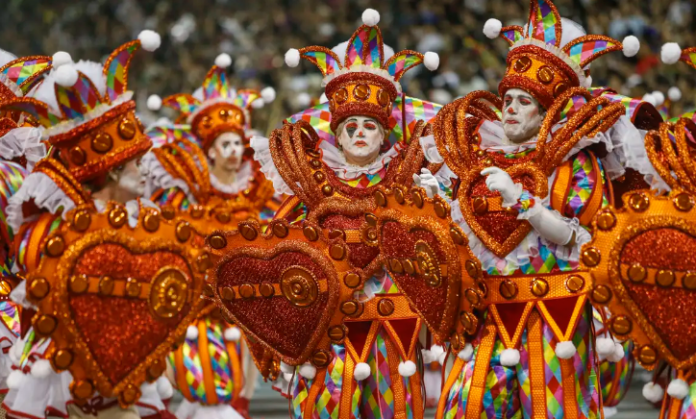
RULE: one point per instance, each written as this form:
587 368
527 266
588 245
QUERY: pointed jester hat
87 111
540 64
363 82
216 107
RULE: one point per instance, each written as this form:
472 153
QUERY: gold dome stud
102 142
55 246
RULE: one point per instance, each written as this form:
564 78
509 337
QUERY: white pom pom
362 371
286 369
588 82
154 103
150 40
308 371
258 103
565 349
618 353
436 351
671 52
653 392
233 334
510 357
223 60
66 75
292 57
674 94
631 45
605 347
15 379
649 99
492 28
323 98
659 98
431 61
164 388
610 412
191 332
370 17
303 100
466 353
678 389
407 369
41 368
60 58
268 94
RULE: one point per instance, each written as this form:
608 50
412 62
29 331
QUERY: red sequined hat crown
87 112
220 108
539 64
362 83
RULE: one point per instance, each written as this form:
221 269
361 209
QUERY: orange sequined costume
112 284
20 149
642 259
213 369
313 291
532 353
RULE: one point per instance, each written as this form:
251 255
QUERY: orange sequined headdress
362 83
538 62
218 108
87 112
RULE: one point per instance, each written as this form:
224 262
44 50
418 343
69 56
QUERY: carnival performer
671 154
85 112
20 149
330 159
206 170
529 186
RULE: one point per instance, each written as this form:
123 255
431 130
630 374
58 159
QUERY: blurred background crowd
256 33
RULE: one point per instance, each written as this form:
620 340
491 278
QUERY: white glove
551 226
499 180
427 181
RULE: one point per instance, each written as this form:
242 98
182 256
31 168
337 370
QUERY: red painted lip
511 121
360 144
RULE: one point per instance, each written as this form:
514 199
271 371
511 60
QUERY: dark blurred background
256 33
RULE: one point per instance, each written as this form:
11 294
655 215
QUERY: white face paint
521 116
361 139
227 151
130 181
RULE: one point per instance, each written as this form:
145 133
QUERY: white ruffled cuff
262 154
23 141
158 178
45 193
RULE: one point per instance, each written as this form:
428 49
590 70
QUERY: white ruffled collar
336 161
240 183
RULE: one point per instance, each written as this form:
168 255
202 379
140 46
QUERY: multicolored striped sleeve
174 196
28 248
580 188
292 210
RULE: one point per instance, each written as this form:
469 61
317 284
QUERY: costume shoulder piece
114 298
298 160
180 163
458 136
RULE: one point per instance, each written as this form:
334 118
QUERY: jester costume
355 355
109 301
213 369
20 149
533 348
642 260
